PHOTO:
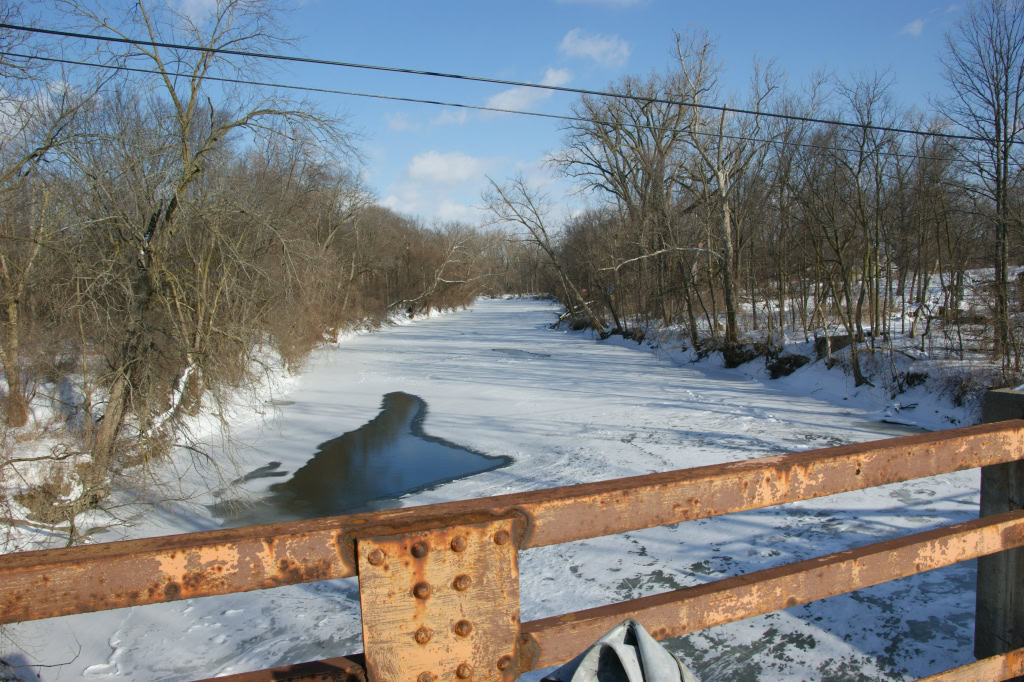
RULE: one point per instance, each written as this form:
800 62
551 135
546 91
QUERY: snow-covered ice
568 409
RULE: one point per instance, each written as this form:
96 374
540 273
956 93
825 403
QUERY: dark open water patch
265 471
518 353
362 470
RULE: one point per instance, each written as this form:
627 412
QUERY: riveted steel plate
441 605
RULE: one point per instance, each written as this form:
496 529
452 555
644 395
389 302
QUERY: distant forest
798 212
161 229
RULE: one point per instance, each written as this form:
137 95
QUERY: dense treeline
160 233
730 223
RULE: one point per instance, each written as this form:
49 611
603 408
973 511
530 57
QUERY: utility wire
458 105
482 79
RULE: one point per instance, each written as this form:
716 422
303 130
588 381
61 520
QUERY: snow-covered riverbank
569 410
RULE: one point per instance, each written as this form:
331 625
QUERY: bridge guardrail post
442 604
999 616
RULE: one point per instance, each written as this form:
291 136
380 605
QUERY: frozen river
566 409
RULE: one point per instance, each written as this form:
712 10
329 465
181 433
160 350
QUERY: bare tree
984 67
627 149
516 204
725 148
39 113
189 129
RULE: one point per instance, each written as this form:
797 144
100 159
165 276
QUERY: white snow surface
570 410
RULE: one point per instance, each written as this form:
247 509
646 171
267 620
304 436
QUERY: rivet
458 544
425 677
421 590
463 628
464 671
461 582
376 557
419 549
504 662
501 537
422 636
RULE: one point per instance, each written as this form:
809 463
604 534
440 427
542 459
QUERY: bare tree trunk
352 268
691 319
15 407
517 204
728 271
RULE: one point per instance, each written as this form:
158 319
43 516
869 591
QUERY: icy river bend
566 409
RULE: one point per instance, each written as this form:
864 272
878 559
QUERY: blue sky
432 161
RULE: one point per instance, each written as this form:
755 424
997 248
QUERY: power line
397 98
482 79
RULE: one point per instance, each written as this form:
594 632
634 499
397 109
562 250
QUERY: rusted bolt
458 544
419 549
422 636
501 537
376 557
504 662
425 677
421 590
463 628
464 671
461 582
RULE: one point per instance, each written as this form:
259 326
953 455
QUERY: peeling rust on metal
673 614
471 627
50 583
1006 666
527 654
427 517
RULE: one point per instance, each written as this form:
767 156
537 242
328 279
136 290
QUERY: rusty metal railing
439 584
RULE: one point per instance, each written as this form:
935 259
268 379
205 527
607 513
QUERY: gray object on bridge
626 654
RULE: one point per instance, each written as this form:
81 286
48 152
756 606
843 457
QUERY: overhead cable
397 98
482 79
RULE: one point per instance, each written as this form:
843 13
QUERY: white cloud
19 109
452 210
197 10
401 123
450 116
441 186
914 28
519 99
538 172
399 204
446 168
515 99
556 77
607 50
426 201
